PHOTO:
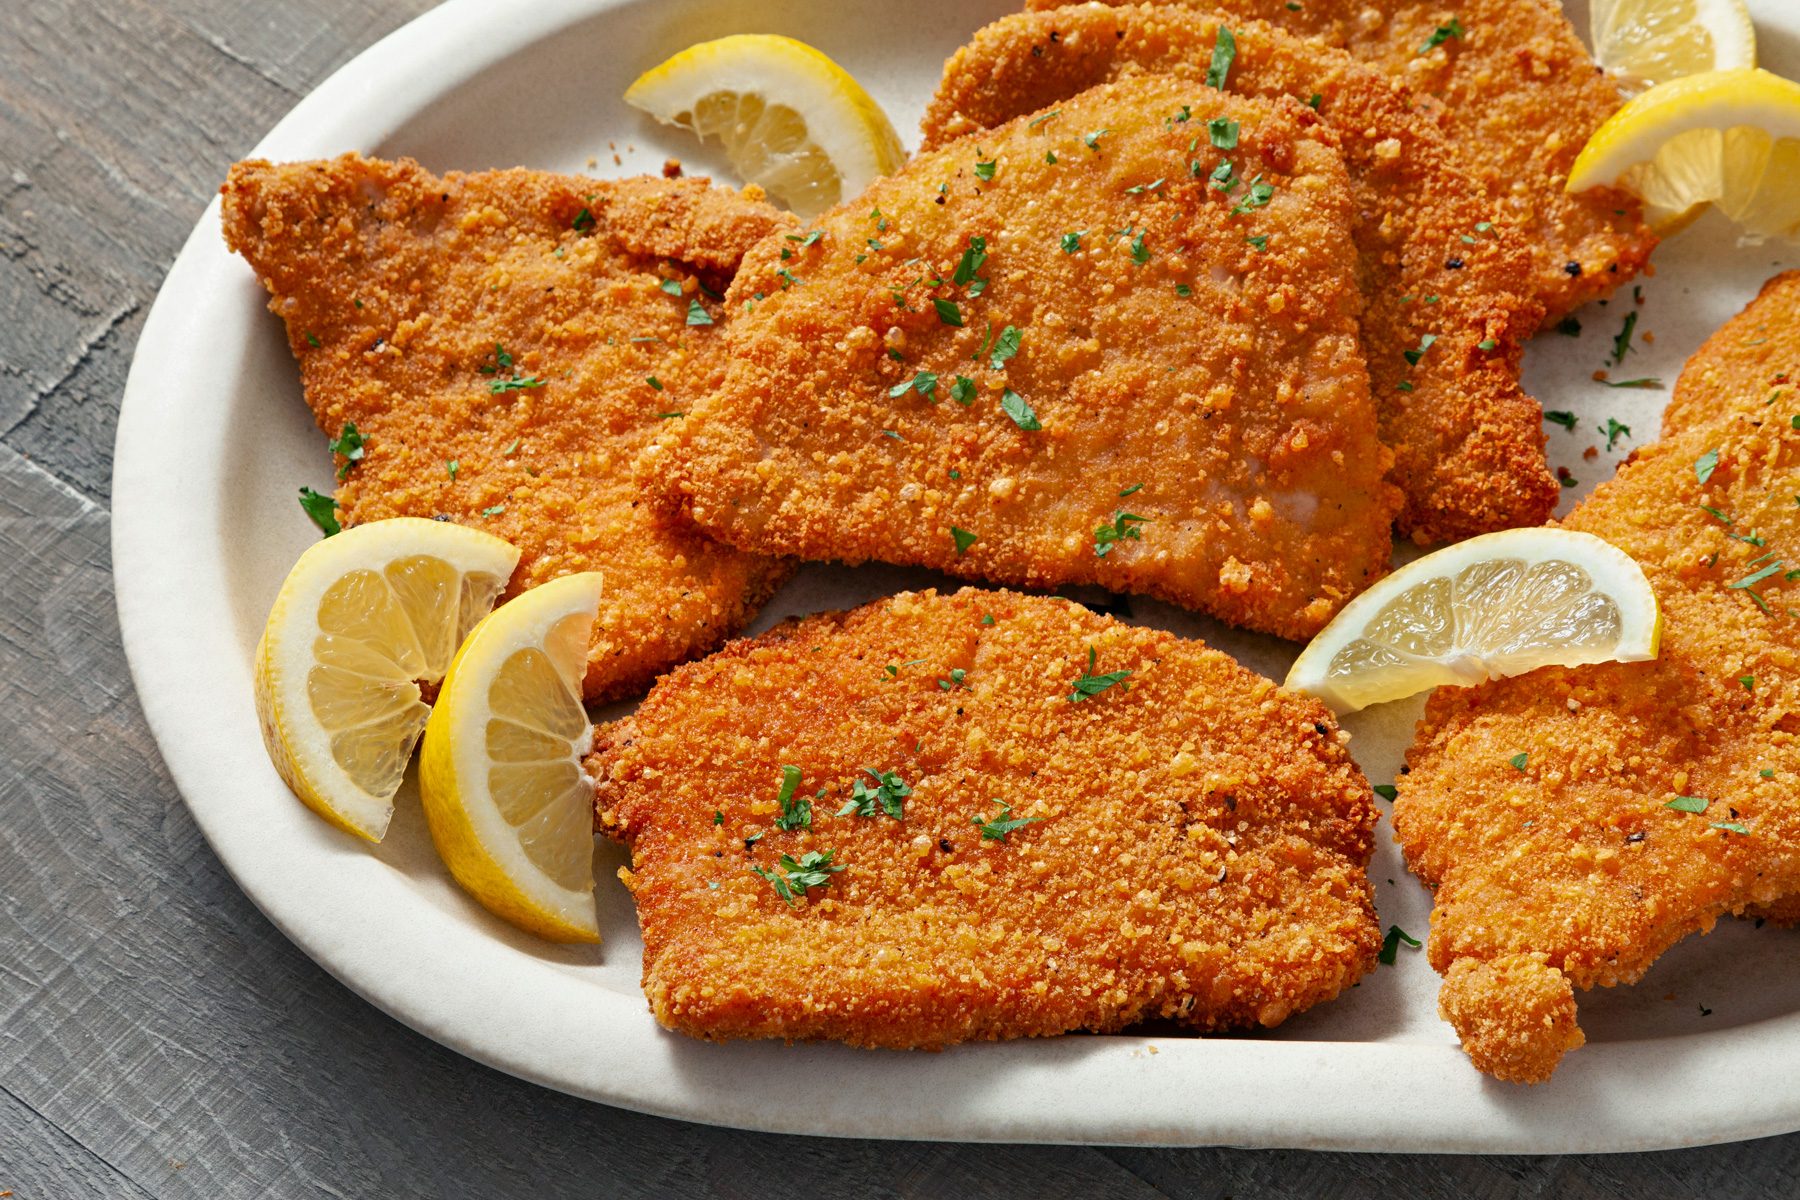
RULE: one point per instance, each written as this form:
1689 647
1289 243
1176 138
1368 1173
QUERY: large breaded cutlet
1655 797
1518 96
506 342
1054 822
1437 270
1062 355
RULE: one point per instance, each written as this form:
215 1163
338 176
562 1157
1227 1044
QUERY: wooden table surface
158 1037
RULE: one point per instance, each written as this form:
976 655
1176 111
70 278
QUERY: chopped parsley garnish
494 511
322 509
1442 34
451 467
1021 412
924 383
1040 119
971 261
1133 489
1749 682
1090 685
1071 242
697 315
670 416
1184 290
515 384
1689 804
1614 431
1140 254
584 221
1705 465
1124 525
947 311
1569 327
718 816
1757 577
796 811
1223 132
1004 347
957 675
1223 52
1001 823
807 239
1622 344
1518 760
1648 381
673 286
1390 945
1425 343
985 170
1387 791
812 869
1731 827
963 391
1486 345
1259 195
349 443
312 339
885 797
654 382
1092 140
1565 419
963 539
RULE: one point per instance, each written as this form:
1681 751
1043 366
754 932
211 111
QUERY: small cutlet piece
1518 96
1751 364
984 815
1062 355
1654 797
503 344
1446 282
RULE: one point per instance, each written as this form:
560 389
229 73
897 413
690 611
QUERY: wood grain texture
158 1037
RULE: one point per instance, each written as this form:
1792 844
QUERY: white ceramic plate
214 440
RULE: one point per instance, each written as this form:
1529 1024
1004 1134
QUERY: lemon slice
363 617
1731 138
1496 605
500 773
790 119
1646 42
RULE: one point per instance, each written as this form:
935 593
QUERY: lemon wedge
1499 604
790 119
362 619
1731 138
500 772
1646 42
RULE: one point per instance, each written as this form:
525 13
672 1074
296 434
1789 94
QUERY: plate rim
1061 1090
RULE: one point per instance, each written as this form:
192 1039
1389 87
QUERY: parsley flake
1140 254
350 445
671 286
963 539
1614 431
322 509
1565 419
1442 34
924 383
1223 52
1425 343
451 467
1005 346
971 261
812 869
885 797
584 221
1705 465
1092 140
1387 791
947 311
1622 344
1001 823
985 170
1689 804
1071 242
1518 760
1089 685
963 391
796 811
697 315
1021 412
1390 945
957 675
1223 132
1124 525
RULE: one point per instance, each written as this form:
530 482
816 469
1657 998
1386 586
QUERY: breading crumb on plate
940 818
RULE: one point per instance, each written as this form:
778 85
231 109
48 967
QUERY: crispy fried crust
1235 418
397 287
1468 443
1514 1014
1197 851
1518 96
1752 363
1578 857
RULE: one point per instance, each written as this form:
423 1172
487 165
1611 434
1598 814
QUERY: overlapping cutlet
507 341
1518 96
1191 841
1061 356
1750 364
1575 871
1437 269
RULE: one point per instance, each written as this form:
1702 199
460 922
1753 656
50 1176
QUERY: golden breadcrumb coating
1436 260
505 341
1202 397
1514 1014
1194 845
1518 96
1579 856
1752 362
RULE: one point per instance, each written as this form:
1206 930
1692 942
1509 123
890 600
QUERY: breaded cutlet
1518 96
943 818
503 343
1061 354
1437 270
1655 797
